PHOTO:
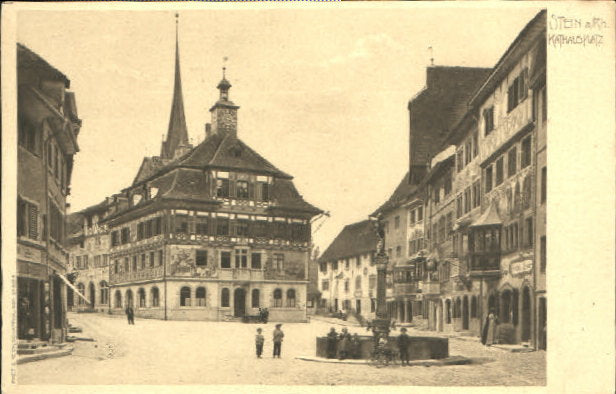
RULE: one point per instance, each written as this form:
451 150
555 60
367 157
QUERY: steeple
176 143
224 112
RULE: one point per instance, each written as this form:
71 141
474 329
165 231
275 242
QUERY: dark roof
354 239
286 196
74 223
149 167
401 194
448 91
26 58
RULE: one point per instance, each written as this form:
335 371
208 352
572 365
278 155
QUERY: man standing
403 345
277 339
130 314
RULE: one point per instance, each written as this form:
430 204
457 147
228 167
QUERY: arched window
129 298
255 298
104 292
474 307
118 299
185 296
448 311
155 297
141 294
82 289
277 298
291 298
457 310
224 298
200 295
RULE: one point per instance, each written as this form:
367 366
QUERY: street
191 352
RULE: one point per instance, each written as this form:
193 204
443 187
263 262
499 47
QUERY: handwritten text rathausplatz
575 31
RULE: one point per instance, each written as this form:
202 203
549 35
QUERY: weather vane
431 56
224 65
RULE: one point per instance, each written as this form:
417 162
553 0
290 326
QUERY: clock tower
224 112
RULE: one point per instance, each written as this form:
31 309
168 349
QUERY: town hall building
210 232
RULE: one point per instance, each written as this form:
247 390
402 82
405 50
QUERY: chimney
208 129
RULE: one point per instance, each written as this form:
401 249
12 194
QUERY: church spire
177 134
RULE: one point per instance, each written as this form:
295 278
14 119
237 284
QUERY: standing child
259 340
277 339
403 346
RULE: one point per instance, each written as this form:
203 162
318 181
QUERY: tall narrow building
211 232
48 127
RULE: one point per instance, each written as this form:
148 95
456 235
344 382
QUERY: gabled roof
149 166
401 194
354 239
26 58
228 152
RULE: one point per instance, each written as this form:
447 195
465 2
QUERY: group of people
263 315
277 336
345 345
342 345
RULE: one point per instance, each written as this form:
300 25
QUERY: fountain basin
420 348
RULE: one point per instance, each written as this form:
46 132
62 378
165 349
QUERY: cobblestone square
191 352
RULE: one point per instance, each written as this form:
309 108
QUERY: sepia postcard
299 197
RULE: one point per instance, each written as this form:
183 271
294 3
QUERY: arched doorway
465 311
526 314
92 291
239 302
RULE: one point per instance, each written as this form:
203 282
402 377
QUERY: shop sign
28 253
521 267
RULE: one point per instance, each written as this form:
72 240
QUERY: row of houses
466 226
47 131
206 232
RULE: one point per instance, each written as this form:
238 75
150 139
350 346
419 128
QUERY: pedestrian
277 339
130 314
344 345
259 340
356 346
403 346
489 329
332 339
265 315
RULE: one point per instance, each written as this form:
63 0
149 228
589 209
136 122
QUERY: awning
69 284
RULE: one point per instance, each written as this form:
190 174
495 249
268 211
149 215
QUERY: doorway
465 313
92 291
542 342
358 306
239 302
526 313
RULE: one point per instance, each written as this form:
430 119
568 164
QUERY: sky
323 92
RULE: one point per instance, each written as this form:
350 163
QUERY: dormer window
242 189
222 188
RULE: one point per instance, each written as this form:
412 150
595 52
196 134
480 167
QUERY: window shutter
231 188
33 221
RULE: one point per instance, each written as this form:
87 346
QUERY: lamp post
380 325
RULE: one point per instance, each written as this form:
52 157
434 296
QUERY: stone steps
43 353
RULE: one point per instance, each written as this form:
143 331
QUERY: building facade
211 232
48 127
347 273
485 202
89 243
